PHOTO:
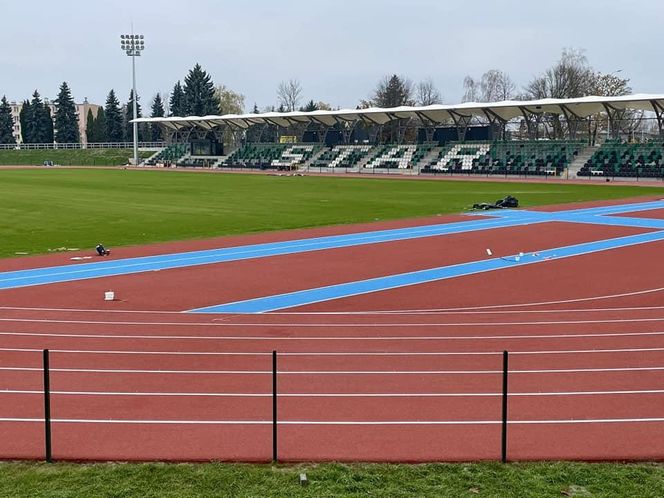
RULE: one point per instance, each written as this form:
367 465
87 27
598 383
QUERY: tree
25 118
309 106
66 120
199 95
289 94
114 128
176 102
157 112
36 122
568 78
427 93
129 115
230 102
496 86
99 130
471 90
6 123
89 126
393 91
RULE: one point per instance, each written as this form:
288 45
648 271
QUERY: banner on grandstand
287 139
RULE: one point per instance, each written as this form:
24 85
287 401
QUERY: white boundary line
332 354
450 310
217 323
332 395
341 422
332 372
332 338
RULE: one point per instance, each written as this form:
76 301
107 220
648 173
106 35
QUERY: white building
81 113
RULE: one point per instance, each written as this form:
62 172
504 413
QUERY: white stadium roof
440 113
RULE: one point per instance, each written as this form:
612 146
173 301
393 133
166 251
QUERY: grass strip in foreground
528 480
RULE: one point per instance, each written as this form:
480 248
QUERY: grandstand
437 139
616 159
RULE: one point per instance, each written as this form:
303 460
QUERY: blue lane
501 219
68 273
348 289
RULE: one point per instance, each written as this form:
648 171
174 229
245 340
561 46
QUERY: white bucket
109 296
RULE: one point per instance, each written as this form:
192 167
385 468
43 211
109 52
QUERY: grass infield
47 209
528 480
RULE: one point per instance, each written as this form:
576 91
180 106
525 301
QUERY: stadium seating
342 156
169 155
616 159
271 156
505 158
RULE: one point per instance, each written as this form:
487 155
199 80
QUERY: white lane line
331 325
332 395
331 372
331 338
474 312
471 308
333 354
331 422
424 310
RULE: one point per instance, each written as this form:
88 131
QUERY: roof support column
659 113
461 122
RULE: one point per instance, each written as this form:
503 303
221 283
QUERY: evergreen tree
129 115
90 126
311 106
157 112
6 123
176 103
114 128
66 120
38 122
199 95
25 118
256 111
99 129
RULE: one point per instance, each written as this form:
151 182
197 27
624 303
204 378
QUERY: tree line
569 77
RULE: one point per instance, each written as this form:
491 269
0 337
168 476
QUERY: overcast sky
337 49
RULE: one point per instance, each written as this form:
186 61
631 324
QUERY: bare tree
570 77
496 86
289 94
471 90
427 93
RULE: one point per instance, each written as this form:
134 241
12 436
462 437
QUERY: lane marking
332 372
331 325
305 297
422 310
329 422
331 338
332 354
333 395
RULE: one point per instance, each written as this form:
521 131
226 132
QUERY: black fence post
503 438
274 407
47 407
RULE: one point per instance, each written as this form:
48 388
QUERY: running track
406 372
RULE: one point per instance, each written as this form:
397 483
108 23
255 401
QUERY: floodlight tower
133 45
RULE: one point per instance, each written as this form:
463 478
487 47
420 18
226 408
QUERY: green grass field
532 480
69 157
51 208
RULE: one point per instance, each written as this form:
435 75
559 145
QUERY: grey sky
338 49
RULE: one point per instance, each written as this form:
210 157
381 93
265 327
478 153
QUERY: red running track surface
586 365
